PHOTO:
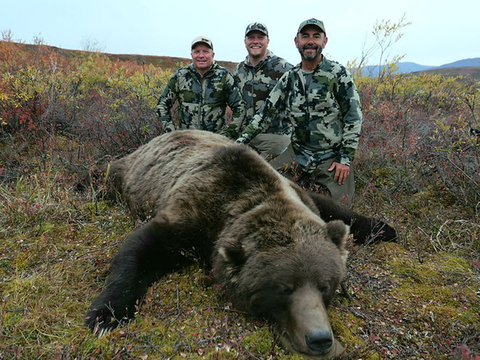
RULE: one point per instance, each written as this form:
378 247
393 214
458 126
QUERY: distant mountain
406 67
463 63
410 67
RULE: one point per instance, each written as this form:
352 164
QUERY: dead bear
261 234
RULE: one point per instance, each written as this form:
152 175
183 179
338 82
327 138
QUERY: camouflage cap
202 39
311 21
258 27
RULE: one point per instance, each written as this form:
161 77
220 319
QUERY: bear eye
323 289
287 289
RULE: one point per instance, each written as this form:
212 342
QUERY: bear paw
102 321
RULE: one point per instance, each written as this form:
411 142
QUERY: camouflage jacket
202 101
325 113
256 82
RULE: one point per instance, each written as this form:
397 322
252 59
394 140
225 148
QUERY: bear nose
319 341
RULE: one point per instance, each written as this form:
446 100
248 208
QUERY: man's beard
314 55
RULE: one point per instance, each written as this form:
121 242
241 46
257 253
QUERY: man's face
202 57
256 43
310 42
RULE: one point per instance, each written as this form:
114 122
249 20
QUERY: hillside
470 71
466 67
165 62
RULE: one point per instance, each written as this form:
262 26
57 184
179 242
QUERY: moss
345 326
261 341
97 207
431 297
416 272
432 269
454 264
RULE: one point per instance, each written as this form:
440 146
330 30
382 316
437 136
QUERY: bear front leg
364 229
149 252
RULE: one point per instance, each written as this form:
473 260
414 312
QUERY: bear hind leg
365 229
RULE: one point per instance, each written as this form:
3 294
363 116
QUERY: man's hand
241 140
341 172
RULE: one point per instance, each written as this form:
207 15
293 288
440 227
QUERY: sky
440 32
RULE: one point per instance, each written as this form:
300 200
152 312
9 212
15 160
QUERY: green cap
202 39
258 27
311 21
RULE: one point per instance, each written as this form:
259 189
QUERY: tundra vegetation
418 168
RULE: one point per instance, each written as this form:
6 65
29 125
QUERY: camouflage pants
340 193
320 180
270 146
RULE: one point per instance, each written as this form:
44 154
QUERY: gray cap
202 39
311 21
258 27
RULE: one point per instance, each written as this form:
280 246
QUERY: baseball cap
202 39
311 21
258 27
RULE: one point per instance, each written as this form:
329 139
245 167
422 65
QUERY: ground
415 299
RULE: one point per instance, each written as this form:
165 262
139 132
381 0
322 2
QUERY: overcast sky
440 32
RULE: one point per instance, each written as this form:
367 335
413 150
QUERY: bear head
291 283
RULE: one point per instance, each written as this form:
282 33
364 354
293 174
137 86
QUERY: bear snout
307 328
319 341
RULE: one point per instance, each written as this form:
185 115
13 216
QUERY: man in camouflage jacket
203 90
256 76
323 105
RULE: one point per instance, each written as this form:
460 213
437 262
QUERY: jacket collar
192 68
319 65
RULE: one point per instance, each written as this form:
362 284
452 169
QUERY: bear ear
232 252
338 233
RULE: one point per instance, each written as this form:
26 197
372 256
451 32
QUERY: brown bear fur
262 235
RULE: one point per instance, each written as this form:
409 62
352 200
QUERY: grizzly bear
263 237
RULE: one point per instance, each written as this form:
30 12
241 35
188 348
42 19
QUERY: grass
418 298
